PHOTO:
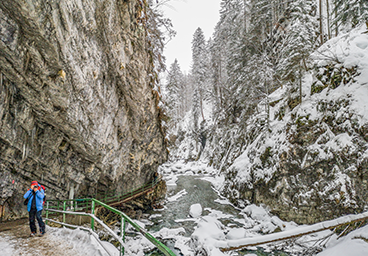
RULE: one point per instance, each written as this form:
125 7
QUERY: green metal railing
86 207
110 196
120 239
72 207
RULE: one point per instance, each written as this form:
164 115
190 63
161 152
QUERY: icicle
71 195
24 151
71 191
15 121
11 94
33 135
1 82
104 88
26 154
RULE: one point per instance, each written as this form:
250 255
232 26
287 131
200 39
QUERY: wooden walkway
131 197
114 200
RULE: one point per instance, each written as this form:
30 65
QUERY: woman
35 197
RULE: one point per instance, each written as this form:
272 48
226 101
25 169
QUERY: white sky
187 16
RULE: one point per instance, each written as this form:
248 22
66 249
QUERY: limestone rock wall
77 109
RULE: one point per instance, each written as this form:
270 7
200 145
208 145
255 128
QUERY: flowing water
176 212
197 191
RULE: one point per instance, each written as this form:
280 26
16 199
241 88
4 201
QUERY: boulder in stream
195 210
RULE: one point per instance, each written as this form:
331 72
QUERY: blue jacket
40 194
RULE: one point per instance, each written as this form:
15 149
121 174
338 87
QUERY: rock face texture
77 108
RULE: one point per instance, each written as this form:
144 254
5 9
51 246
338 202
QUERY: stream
191 190
194 190
182 192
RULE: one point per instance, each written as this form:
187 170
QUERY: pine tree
351 12
226 57
175 90
300 39
253 60
199 70
229 30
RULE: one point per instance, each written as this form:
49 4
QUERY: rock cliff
78 111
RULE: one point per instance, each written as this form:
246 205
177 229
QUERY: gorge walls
311 163
77 108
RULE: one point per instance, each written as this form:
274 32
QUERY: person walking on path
35 197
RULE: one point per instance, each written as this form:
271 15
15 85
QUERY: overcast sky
187 16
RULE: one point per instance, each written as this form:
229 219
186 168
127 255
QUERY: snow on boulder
208 232
175 197
257 212
236 233
195 210
267 223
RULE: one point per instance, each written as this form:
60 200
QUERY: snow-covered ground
56 242
355 243
6 246
213 228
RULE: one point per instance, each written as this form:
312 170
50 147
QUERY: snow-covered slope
312 164
187 139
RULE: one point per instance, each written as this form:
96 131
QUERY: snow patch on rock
195 210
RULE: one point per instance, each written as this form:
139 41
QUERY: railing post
47 211
64 208
58 207
93 212
124 230
122 234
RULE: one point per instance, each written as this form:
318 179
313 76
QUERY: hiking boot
32 234
41 234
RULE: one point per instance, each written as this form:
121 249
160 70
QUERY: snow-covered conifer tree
199 70
175 90
299 39
227 31
350 12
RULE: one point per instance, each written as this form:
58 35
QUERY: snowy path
15 240
18 242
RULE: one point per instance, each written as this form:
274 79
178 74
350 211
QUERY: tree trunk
220 84
328 18
297 232
336 27
305 64
267 107
320 22
300 84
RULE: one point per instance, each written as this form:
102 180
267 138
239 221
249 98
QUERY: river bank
195 216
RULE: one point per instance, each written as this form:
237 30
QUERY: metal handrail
163 248
109 195
124 218
84 229
108 198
